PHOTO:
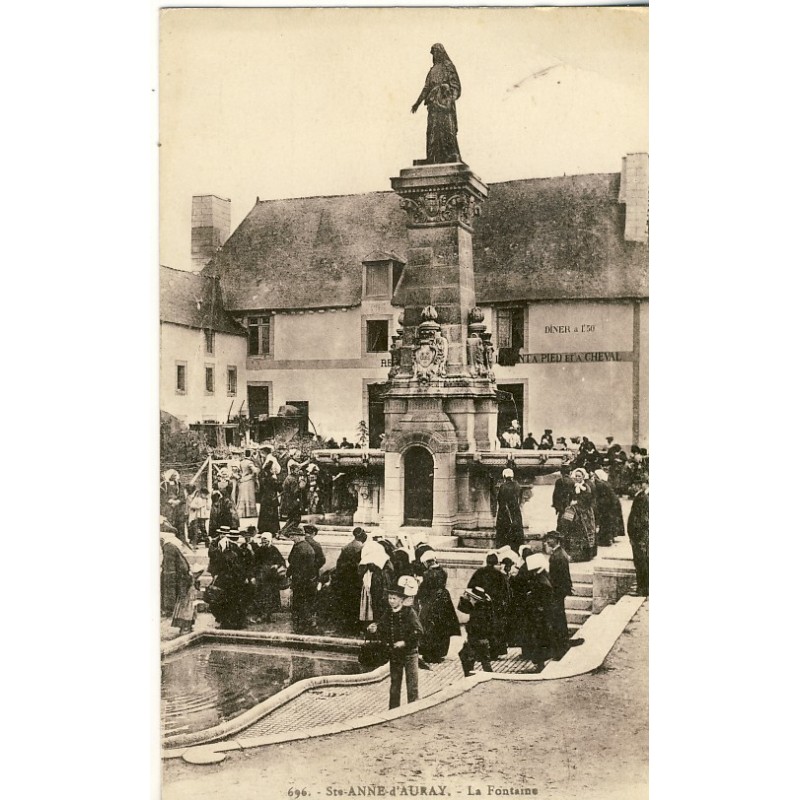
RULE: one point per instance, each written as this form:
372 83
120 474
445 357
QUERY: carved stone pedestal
441 398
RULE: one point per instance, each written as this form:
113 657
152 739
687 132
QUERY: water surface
207 684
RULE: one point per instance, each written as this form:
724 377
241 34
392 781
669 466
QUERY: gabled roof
538 239
556 238
194 300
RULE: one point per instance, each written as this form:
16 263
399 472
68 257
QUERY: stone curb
254 714
610 624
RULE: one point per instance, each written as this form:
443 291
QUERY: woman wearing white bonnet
538 639
577 522
508 523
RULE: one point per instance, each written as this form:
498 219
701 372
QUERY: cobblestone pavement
332 704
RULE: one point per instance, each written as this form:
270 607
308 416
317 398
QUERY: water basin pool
207 684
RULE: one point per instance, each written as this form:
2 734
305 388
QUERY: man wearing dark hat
562 490
400 630
310 532
561 581
546 442
639 535
303 574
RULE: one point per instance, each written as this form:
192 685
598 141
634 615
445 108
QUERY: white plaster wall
593 327
314 335
334 395
179 343
593 399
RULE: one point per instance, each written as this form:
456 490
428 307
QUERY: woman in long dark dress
494 581
268 516
579 532
231 578
538 640
437 614
177 583
377 575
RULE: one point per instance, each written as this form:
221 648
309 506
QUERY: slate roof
537 239
193 300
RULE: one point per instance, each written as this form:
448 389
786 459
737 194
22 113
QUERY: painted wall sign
575 358
585 328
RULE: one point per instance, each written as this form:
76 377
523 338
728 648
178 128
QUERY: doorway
418 481
257 401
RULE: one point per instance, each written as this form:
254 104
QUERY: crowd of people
275 488
625 470
389 589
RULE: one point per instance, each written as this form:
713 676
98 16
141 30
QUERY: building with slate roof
203 350
561 273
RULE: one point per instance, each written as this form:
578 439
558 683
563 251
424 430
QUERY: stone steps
578 603
577 616
581 589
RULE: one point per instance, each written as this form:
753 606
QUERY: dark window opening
209 380
377 336
180 378
209 341
258 336
510 335
232 380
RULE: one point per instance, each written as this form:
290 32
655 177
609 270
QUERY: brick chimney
634 194
211 226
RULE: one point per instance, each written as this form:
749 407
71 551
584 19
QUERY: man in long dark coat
639 535
610 522
562 490
509 515
291 502
561 581
310 532
268 517
348 581
270 567
303 574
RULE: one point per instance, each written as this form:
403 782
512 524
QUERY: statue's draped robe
442 89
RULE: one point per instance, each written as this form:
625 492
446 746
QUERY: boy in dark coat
400 630
480 630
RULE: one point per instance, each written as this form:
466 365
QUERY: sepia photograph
403 402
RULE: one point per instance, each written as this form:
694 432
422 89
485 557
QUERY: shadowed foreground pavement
584 737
